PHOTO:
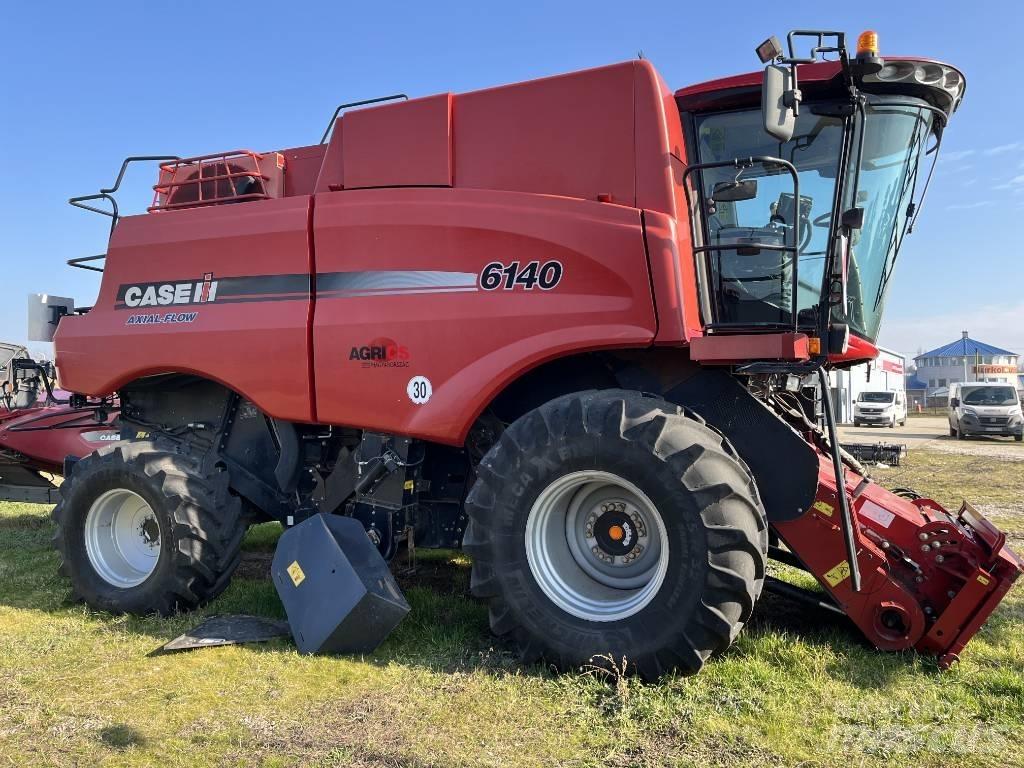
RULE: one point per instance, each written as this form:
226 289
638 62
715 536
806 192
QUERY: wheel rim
597 545
122 538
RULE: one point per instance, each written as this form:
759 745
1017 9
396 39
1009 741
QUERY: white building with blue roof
967 360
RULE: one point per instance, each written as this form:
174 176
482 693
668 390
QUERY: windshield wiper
898 233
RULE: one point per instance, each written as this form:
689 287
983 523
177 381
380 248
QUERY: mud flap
336 588
217 631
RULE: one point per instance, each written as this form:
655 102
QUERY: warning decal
295 571
838 574
824 507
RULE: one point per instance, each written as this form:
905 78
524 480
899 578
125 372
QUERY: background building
883 374
965 360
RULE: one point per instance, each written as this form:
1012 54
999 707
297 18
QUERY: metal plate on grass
227 630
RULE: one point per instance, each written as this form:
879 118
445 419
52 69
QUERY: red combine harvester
579 326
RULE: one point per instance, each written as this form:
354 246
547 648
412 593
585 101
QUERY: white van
886 409
985 409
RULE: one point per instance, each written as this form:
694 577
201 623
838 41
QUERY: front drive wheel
140 530
614 524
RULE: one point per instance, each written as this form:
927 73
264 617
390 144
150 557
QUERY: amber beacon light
867 44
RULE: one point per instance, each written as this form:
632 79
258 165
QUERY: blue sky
85 85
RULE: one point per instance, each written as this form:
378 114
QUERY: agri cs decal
380 353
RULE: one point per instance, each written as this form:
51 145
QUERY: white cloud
1001 148
958 168
1013 183
958 154
999 325
968 206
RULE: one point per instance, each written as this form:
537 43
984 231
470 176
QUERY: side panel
399 295
674 278
247 329
403 144
570 135
660 162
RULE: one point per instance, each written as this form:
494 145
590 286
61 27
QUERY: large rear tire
611 524
141 530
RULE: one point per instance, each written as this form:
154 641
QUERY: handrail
79 263
363 103
742 163
108 193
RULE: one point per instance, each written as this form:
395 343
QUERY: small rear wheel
1018 438
141 530
612 524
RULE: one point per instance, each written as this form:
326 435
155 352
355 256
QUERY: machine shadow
446 631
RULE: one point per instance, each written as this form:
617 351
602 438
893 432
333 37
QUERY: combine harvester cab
580 326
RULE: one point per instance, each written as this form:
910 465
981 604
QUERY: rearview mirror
954 403
734 191
778 102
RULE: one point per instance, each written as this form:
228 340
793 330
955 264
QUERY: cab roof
940 84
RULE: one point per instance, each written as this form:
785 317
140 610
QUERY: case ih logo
168 294
381 353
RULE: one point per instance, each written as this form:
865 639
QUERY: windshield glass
755 285
894 137
990 396
876 397
751 285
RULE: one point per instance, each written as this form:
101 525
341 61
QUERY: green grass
951 479
77 687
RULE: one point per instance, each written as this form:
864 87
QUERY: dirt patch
360 732
255 566
1006 448
443 575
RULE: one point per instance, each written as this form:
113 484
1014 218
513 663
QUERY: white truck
886 409
985 409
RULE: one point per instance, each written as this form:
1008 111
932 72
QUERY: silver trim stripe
392 283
